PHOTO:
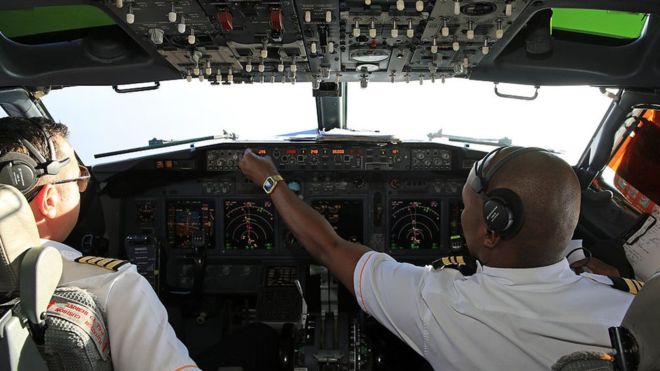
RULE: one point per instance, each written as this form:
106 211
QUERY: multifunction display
415 225
190 223
249 225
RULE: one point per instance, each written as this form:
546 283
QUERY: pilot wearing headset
36 158
523 309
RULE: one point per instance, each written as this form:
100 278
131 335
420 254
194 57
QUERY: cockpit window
605 23
104 121
561 119
49 21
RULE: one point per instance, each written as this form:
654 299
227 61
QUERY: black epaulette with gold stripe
465 264
99 261
626 284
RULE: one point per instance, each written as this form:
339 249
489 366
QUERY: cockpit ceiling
605 43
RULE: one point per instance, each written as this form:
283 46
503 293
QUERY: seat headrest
18 233
643 320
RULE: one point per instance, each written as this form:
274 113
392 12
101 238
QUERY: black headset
23 172
502 210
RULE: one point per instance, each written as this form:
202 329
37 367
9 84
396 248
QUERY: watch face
268 184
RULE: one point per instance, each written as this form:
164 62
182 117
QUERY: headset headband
480 181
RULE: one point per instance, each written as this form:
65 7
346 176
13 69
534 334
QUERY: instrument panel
403 199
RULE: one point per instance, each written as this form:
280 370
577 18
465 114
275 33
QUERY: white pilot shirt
496 319
140 336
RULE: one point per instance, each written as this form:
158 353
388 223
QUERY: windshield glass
561 118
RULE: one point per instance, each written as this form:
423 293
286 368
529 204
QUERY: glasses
82 180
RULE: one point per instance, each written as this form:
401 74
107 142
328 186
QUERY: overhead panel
320 41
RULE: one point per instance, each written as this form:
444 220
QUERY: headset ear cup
503 212
20 171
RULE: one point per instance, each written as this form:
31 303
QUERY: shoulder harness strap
107 263
465 264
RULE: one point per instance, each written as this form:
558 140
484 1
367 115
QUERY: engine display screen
249 225
345 216
190 223
415 225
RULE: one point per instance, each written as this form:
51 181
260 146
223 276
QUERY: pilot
139 334
523 309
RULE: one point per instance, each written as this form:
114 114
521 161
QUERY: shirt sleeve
141 338
390 292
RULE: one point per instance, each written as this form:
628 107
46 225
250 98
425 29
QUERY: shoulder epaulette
626 284
464 263
99 261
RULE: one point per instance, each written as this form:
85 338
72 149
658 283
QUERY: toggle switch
356 29
395 30
410 32
372 29
191 37
181 27
499 32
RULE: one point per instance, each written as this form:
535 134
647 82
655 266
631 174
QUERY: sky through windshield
562 118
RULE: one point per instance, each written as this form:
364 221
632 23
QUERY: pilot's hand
257 168
594 265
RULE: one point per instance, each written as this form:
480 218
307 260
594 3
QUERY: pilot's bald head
550 194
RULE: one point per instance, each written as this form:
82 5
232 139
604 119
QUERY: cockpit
373 111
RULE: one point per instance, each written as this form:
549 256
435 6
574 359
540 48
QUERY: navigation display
345 216
249 225
190 223
415 225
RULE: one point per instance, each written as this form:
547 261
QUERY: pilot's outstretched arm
306 224
384 288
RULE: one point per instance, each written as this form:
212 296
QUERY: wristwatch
271 182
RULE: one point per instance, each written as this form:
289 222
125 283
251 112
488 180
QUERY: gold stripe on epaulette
103 262
631 286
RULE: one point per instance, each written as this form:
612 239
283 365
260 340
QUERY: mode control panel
431 159
338 157
223 159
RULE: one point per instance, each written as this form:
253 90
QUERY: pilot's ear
44 204
491 239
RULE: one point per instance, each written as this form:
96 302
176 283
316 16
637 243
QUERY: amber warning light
338 151
261 152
